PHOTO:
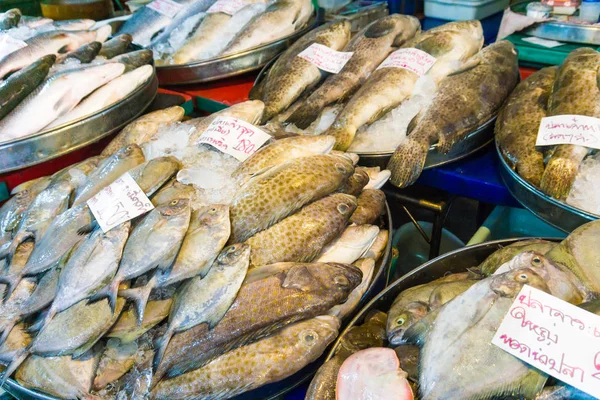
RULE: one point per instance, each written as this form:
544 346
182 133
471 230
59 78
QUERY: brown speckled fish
300 237
356 183
518 123
257 364
450 117
277 193
575 92
371 205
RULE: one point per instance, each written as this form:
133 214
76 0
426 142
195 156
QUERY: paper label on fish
120 201
569 129
555 337
9 44
227 6
168 8
414 60
234 137
326 59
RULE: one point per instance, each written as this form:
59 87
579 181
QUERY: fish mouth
396 338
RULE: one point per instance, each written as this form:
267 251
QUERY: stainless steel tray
274 390
46 145
555 212
229 65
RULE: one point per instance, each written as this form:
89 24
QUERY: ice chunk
585 193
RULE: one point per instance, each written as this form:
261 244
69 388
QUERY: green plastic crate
30 8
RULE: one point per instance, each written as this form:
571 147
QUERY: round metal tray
555 212
452 262
232 64
43 146
275 390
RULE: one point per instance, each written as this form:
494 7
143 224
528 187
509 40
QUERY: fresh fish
370 47
134 59
387 87
281 18
467 326
575 92
206 236
173 190
12 211
116 46
10 19
301 236
140 130
371 206
367 267
126 329
206 299
379 245
265 303
84 54
351 245
107 95
293 75
20 84
77 173
445 292
492 75
236 372
54 98
116 361
16 341
152 175
295 183
281 151
41 183
519 121
370 334
78 25
377 177
505 254
356 183
107 171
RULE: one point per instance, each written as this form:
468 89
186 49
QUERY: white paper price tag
414 60
120 201
227 6
555 337
569 129
325 58
168 8
234 137
8 44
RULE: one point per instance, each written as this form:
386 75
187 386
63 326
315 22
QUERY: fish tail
343 134
407 162
110 292
7 327
9 250
17 360
305 115
161 346
11 281
558 177
139 296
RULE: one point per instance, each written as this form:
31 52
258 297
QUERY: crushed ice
585 193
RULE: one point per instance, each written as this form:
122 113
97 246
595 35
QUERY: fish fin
110 292
415 121
417 332
7 328
89 228
298 277
305 115
559 176
468 65
17 360
407 162
378 30
8 251
11 281
139 296
161 346
257 90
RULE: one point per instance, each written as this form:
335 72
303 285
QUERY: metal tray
555 212
232 64
453 262
274 390
31 150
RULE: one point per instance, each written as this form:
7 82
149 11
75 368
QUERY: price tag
9 44
234 137
227 6
542 42
555 337
325 58
168 8
569 129
120 201
414 60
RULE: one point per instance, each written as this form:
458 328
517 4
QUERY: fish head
404 28
397 324
175 207
314 144
510 283
131 150
213 215
250 111
234 254
310 335
346 204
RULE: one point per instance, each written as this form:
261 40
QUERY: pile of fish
61 72
205 29
371 106
568 89
189 300
434 342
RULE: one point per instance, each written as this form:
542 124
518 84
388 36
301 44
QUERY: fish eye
310 336
341 280
343 208
340 167
213 210
174 202
523 277
536 261
129 148
401 320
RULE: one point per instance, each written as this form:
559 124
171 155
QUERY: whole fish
290 294
107 171
356 183
370 334
116 46
12 211
126 329
206 299
20 84
519 121
133 59
116 360
206 236
470 322
281 151
109 94
371 206
505 254
140 130
84 54
233 373
293 75
171 191
370 47
575 92
281 18
296 183
54 98
351 245
305 233
448 118
388 87
367 267
10 19
379 245
42 45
